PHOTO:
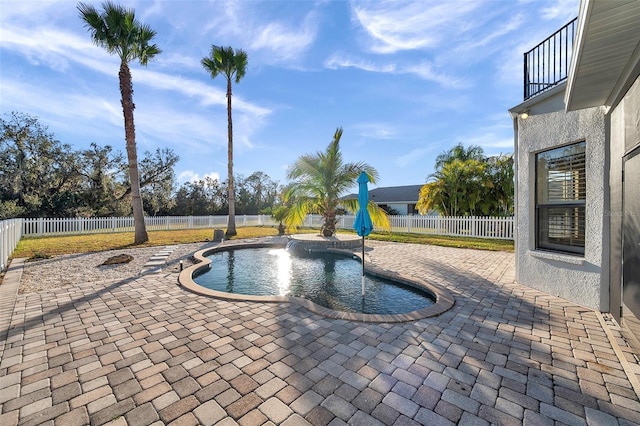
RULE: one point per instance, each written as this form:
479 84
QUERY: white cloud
34 12
266 40
409 25
157 8
338 60
281 43
195 132
173 60
561 9
72 109
191 176
63 52
379 131
492 138
411 157
54 48
61 49
485 43
425 70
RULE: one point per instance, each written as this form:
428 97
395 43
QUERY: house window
560 199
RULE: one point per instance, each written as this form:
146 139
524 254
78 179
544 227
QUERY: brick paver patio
145 351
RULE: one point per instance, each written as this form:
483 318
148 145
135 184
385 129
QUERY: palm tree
459 152
458 188
233 65
119 33
320 181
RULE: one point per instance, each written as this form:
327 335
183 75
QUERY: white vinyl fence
10 235
471 226
100 225
13 229
467 226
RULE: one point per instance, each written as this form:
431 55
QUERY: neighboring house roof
606 53
393 194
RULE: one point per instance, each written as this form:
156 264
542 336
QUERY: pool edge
443 298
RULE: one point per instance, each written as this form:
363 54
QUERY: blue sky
405 80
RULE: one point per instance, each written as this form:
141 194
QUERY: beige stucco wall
583 280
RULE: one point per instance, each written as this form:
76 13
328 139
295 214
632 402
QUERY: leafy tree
158 180
118 31
203 197
10 209
39 176
102 191
233 65
459 152
458 188
320 181
501 193
256 193
467 183
37 172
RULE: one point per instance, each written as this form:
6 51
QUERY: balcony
547 64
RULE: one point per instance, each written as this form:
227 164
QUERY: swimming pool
327 279
443 298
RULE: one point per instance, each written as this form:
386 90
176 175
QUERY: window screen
560 199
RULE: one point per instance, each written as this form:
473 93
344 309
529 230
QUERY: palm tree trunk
329 226
126 90
231 225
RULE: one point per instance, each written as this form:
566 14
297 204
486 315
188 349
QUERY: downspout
514 117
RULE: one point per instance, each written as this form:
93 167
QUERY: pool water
328 279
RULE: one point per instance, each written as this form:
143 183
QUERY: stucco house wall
582 279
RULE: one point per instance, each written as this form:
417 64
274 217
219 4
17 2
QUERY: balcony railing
547 64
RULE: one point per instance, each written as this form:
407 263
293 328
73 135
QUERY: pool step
157 261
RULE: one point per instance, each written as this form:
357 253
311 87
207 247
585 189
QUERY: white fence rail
10 235
467 226
13 229
471 226
99 225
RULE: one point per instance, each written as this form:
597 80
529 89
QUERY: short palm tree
320 181
459 152
119 33
233 65
456 189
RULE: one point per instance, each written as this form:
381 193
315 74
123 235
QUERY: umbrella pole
363 265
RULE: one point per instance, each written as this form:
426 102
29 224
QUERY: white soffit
606 51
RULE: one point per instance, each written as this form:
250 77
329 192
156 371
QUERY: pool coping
443 298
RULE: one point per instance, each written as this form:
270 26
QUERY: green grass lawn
51 246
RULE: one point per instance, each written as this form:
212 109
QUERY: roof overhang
606 55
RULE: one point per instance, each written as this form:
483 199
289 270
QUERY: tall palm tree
320 181
119 33
233 65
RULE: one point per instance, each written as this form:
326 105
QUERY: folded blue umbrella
363 225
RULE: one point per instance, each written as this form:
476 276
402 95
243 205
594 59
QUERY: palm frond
225 60
321 179
117 31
